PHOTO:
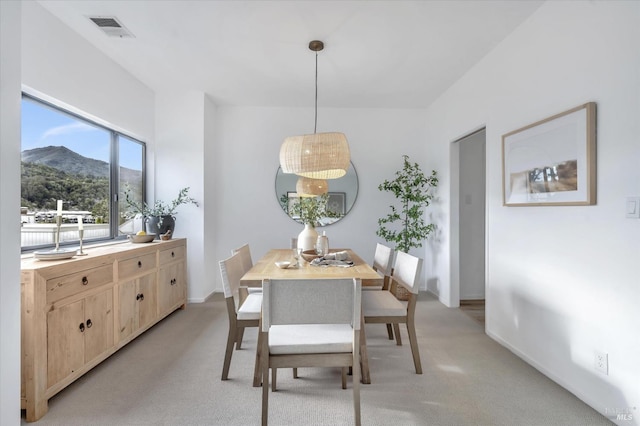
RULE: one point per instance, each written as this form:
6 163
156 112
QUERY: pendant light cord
315 123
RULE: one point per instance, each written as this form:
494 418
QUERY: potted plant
160 217
405 226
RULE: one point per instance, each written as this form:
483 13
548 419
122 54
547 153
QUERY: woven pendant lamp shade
307 187
316 156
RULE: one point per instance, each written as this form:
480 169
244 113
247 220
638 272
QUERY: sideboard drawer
172 254
68 285
136 265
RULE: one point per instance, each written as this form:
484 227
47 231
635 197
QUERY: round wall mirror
341 196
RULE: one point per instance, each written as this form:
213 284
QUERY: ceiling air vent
111 26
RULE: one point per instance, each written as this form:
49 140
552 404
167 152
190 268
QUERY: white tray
54 255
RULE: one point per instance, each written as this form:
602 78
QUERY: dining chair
247 263
310 323
382 307
382 263
242 314
245 255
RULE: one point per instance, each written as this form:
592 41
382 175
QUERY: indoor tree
405 225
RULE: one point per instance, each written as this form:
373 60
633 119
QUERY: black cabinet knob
173 254
89 323
85 281
81 327
139 264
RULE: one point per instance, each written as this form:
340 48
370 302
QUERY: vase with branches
405 224
160 216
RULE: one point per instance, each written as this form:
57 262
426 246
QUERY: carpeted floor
171 376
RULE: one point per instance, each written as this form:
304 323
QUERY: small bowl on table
309 255
283 264
147 238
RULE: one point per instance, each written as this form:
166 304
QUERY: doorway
471 227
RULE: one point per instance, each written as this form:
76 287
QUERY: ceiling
378 54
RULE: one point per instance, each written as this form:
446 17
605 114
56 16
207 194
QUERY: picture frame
552 162
336 202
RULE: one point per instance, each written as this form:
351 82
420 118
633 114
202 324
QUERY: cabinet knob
173 281
89 323
139 264
85 281
81 327
140 296
173 254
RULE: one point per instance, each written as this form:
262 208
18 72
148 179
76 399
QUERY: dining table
266 268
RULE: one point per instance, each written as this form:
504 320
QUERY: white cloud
67 130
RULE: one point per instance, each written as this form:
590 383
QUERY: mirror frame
343 193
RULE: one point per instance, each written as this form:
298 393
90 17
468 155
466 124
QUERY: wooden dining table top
266 268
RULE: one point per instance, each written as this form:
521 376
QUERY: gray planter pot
159 225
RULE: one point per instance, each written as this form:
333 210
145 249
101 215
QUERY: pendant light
307 187
319 155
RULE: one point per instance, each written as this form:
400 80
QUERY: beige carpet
171 376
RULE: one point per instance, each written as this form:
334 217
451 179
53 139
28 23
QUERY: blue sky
43 126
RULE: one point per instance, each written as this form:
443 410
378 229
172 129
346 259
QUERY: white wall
179 159
249 142
562 282
9 216
68 70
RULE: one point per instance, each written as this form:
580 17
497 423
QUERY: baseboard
201 299
580 395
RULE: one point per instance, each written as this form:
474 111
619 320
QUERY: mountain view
55 172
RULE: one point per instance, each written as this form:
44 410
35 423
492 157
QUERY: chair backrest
318 301
231 270
245 254
383 259
407 271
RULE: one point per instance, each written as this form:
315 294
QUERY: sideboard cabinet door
77 333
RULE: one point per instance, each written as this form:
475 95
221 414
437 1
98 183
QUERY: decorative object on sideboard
159 219
57 253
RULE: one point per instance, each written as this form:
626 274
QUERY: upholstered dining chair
242 314
247 263
310 323
382 264
382 307
245 255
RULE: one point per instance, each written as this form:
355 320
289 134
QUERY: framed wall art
336 203
552 162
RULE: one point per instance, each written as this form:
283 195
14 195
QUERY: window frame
114 172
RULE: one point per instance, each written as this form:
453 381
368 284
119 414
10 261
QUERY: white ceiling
389 54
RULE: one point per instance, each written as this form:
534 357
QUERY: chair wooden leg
413 341
390 331
265 381
231 339
396 330
295 373
273 379
257 372
356 379
363 356
344 377
239 338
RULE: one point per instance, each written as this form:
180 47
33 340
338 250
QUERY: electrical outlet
601 362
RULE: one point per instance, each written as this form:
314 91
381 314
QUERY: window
84 164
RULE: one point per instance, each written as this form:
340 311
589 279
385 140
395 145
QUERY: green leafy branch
413 190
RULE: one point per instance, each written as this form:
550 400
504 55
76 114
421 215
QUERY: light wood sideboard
78 312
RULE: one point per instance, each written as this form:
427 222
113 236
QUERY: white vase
307 238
